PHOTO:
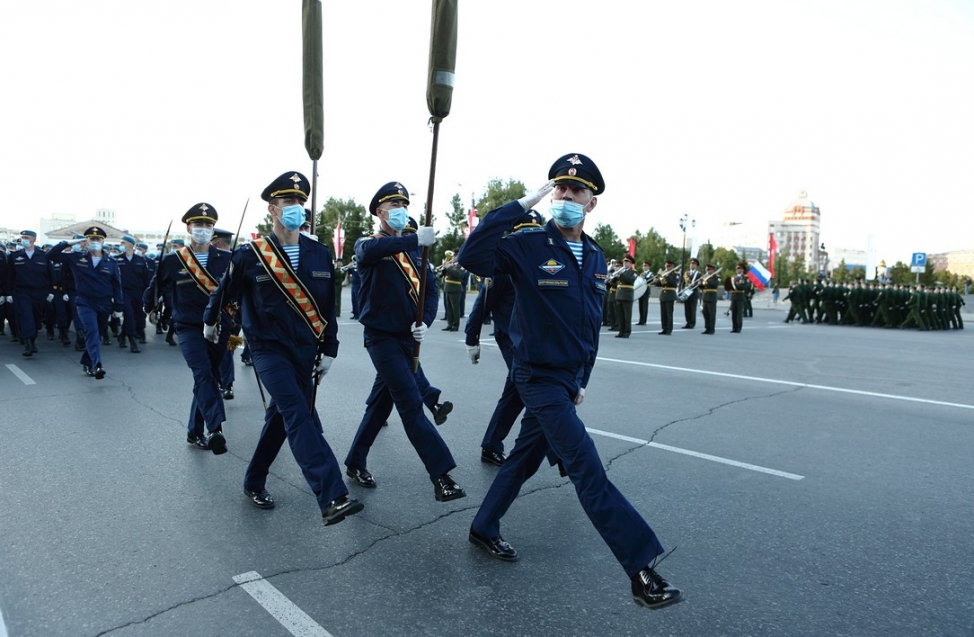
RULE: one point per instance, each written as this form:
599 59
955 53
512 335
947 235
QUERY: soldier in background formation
738 285
865 304
667 282
644 299
624 281
709 285
691 280
453 290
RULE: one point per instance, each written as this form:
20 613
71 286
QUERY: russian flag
759 275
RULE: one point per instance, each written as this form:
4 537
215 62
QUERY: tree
609 241
650 247
454 239
497 193
726 259
356 222
900 274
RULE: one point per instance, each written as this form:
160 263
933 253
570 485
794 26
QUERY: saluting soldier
283 283
99 292
624 296
709 287
29 288
190 275
667 284
739 285
135 279
388 264
556 339
690 304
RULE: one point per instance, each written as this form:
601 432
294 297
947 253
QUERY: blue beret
577 169
290 184
29 233
129 238
200 212
178 242
144 246
389 192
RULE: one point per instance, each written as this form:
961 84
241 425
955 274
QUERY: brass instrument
662 275
687 291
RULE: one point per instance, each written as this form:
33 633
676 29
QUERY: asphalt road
816 480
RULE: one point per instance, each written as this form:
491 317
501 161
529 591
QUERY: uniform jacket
135 274
558 314
188 300
267 318
28 275
496 299
99 286
384 302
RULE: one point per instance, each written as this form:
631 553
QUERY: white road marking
295 620
696 454
3 626
27 380
790 383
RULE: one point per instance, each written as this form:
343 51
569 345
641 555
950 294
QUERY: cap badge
551 266
204 207
572 171
574 160
295 178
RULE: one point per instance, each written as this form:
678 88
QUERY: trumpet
662 275
346 268
687 291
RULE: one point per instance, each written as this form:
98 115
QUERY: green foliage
650 247
726 259
452 240
356 221
611 244
266 226
497 193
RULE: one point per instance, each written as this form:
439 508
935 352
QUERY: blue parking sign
919 258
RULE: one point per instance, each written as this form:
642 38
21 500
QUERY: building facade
798 232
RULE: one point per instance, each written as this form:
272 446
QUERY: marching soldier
738 287
690 304
556 337
609 306
135 279
667 282
389 297
62 286
709 287
223 240
190 275
340 275
291 350
624 297
99 293
29 289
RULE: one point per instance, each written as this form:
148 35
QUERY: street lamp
683 251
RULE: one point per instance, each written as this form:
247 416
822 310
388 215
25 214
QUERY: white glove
529 200
120 317
419 332
323 366
211 332
75 241
473 351
50 297
153 318
66 298
426 236
10 299
3 300
580 397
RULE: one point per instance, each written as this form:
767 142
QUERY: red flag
632 247
772 250
339 239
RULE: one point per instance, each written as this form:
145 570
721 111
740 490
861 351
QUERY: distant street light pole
683 251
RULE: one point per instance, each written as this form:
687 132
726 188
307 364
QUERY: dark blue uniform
387 311
136 275
356 278
283 350
99 293
202 356
29 283
496 298
554 330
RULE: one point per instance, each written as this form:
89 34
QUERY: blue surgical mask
398 218
94 246
26 243
567 214
292 217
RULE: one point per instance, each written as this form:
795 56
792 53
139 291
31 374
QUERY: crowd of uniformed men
866 304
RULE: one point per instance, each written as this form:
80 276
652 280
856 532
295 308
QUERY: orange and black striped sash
298 297
203 279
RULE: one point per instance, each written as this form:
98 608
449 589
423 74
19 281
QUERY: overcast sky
720 110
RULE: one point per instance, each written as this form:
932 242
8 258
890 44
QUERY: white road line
295 620
775 381
696 454
3 626
27 380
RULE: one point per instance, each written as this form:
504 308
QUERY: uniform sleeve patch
552 283
600 286
320 274
262 277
